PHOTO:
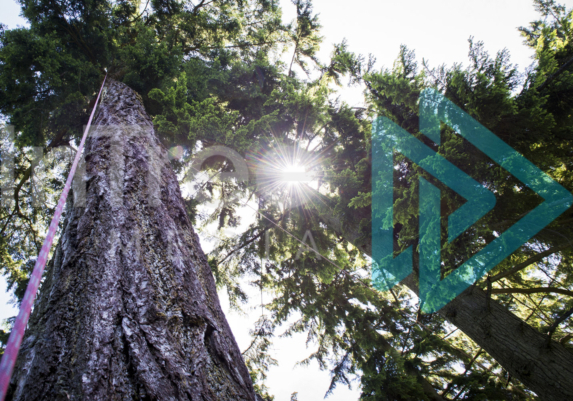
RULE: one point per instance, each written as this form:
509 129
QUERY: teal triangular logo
387 138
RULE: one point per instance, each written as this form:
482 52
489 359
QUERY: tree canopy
210 73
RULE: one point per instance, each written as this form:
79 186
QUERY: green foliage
207 75
358 331
384 380
258 356
304 35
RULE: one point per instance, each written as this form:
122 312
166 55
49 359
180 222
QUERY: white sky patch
438 31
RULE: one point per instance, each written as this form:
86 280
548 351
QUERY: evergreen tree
206 75
128 308
490 89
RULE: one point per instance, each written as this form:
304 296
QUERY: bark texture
128 309
544 367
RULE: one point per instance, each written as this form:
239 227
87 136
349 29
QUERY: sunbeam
284 173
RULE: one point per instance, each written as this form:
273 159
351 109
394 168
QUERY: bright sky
438 31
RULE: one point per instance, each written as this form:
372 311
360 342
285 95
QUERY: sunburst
284 174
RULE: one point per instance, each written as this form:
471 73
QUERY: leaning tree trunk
545 367
128 309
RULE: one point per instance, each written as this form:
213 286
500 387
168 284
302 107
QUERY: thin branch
541 316
532 291
201 5
244 244
139 16
242 45
555 75
27 174
468 367
564 317
493 366
530 261
565 339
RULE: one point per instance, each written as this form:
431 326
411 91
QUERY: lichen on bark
128 308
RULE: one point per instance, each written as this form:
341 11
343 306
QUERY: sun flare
294 174
285 173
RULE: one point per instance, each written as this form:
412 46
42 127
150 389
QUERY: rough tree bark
128 309
544 367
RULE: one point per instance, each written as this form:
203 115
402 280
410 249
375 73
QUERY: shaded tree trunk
128 309
544 367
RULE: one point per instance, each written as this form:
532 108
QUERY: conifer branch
532 291
534 259
561 319
555 75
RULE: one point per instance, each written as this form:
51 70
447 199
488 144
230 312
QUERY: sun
294 174
284 174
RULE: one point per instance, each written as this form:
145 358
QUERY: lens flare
284 174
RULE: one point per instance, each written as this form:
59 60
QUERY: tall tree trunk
128 309
544 367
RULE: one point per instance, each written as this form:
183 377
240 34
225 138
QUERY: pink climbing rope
15 340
